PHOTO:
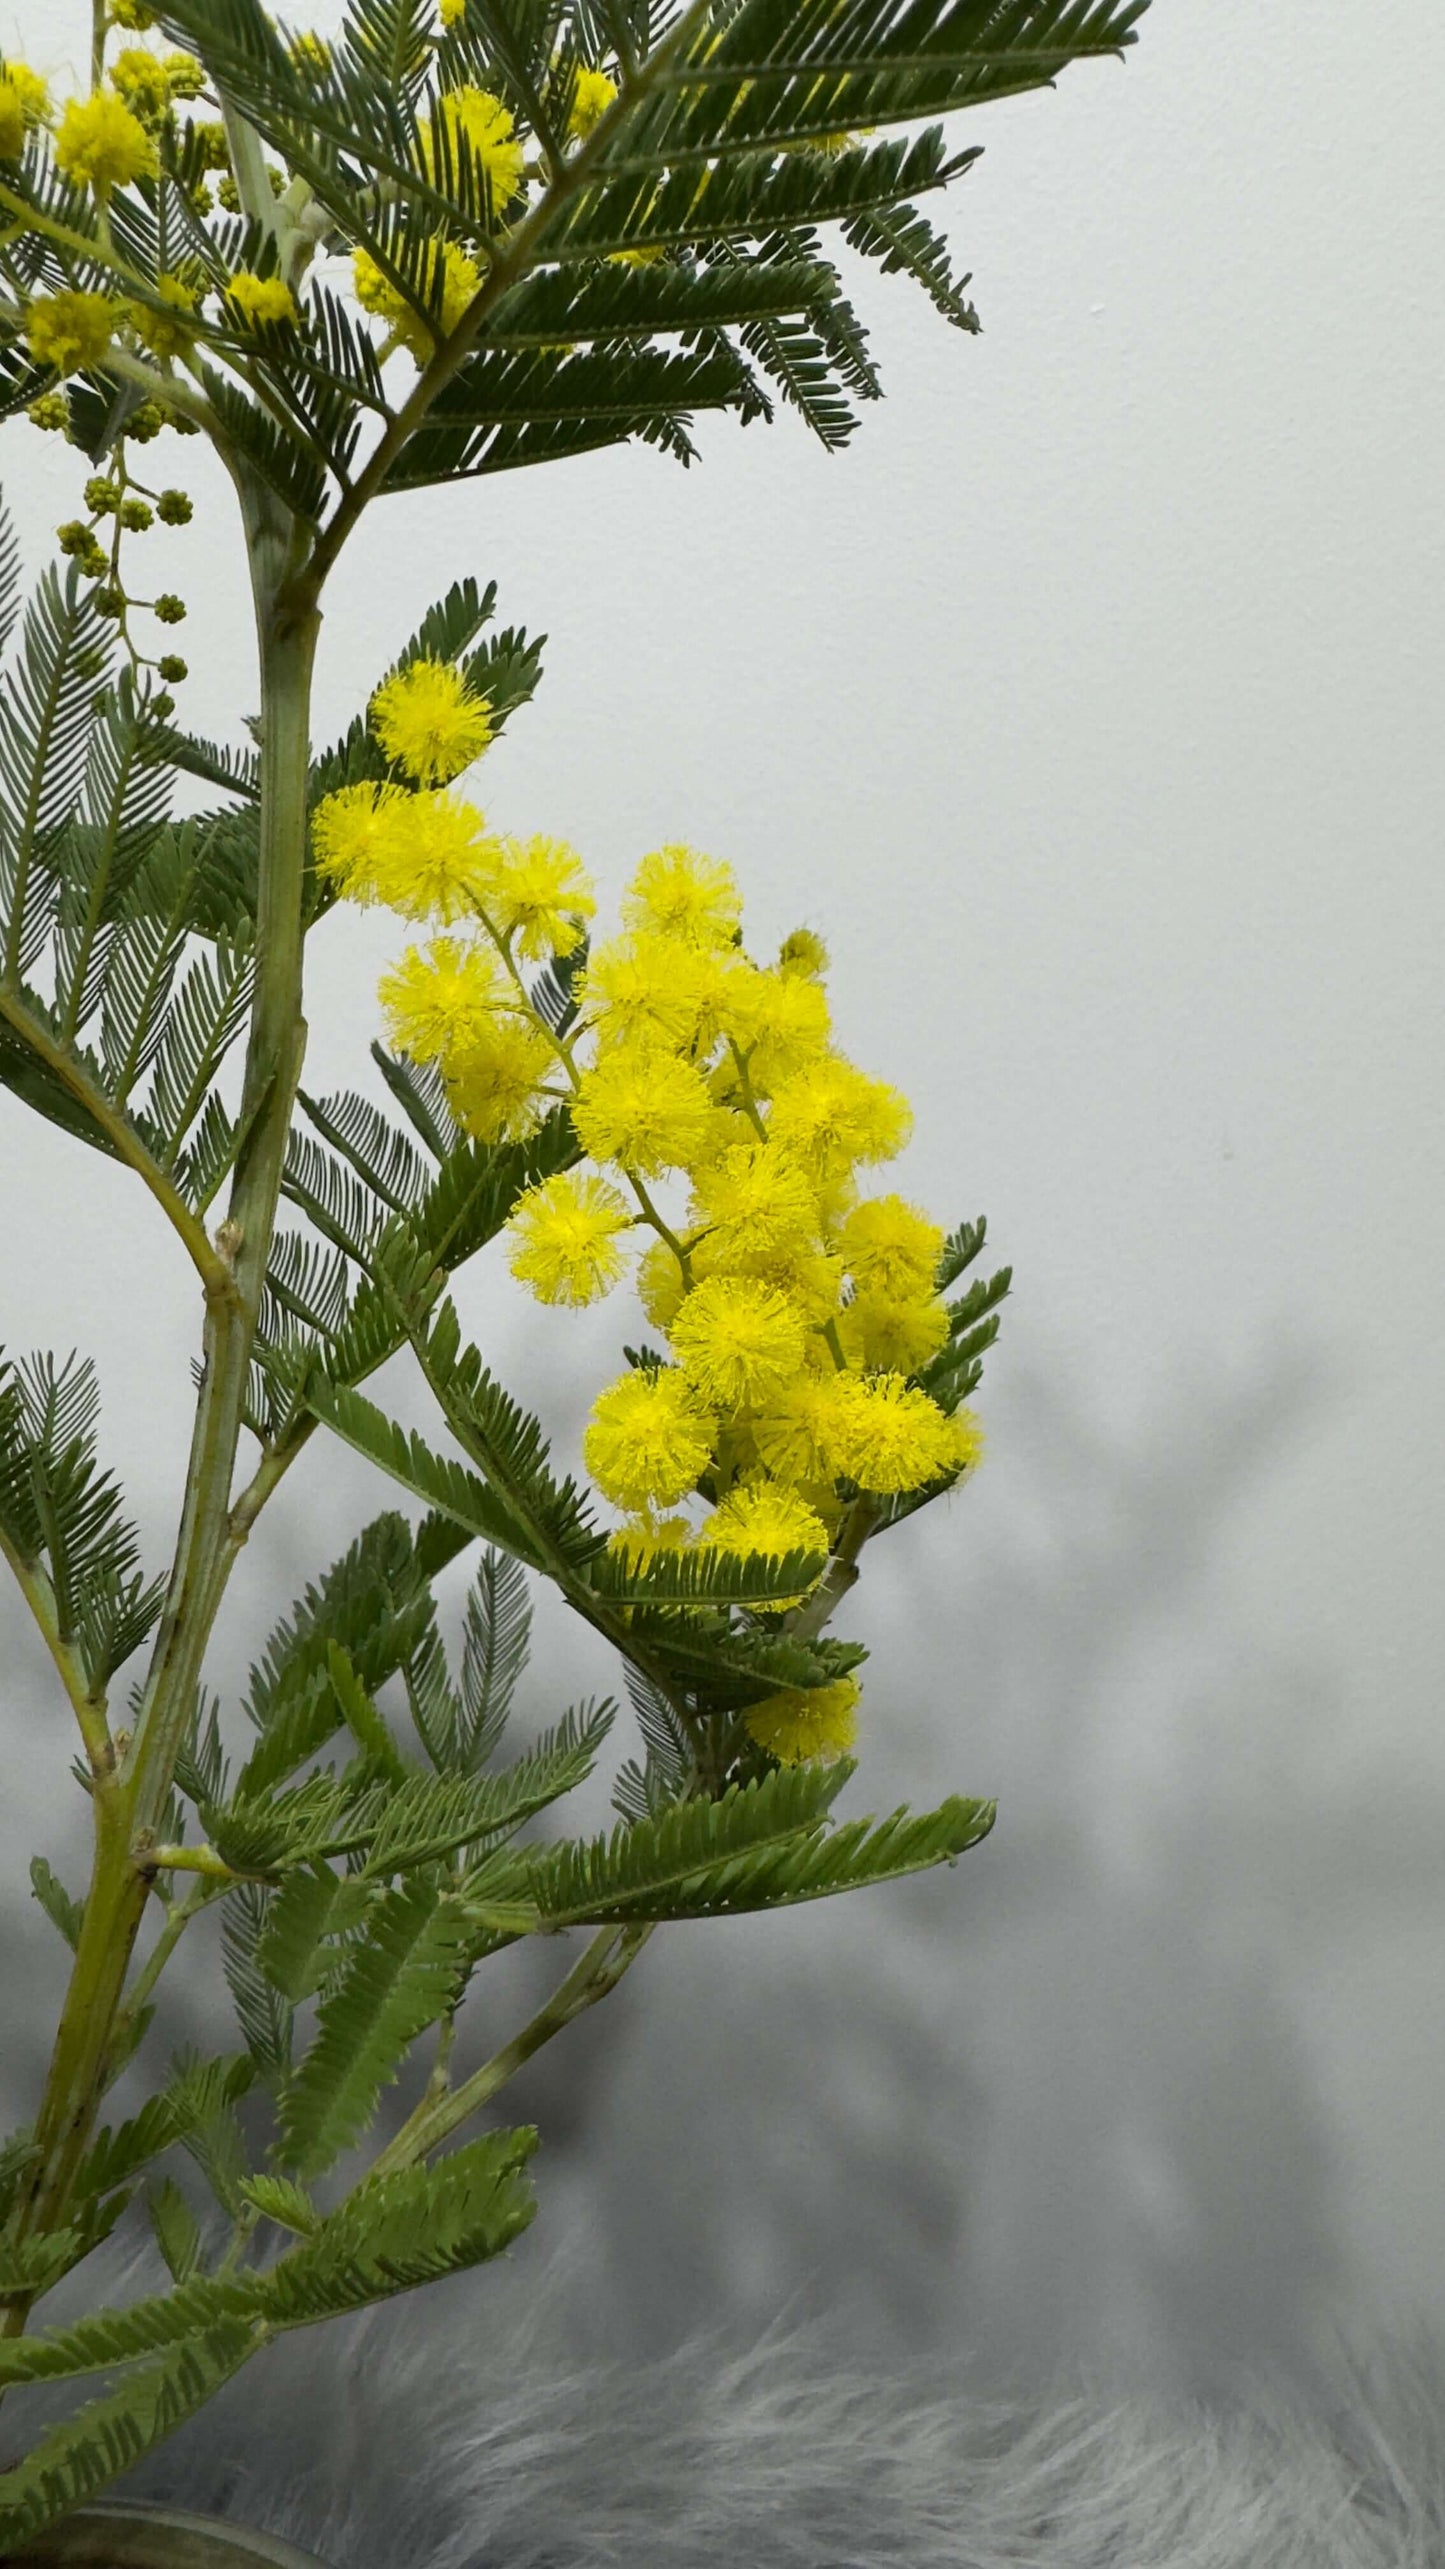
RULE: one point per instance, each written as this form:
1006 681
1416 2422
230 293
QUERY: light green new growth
441 246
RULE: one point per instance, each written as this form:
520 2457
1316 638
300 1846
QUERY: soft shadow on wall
1057 2102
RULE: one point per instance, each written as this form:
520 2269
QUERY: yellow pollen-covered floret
261 301
890 1247
436 860
478 120
753 1202
165 333
565 1238
643 1108
591 99
351 831
453 12
375 292
430 720
676 892
805 953
738 1339
648 1440
439 997
69 330
798 1434
648 988
803 1722
884 1334
641 1538
101 144
538 893
830 1115
889 1435
779 1020
660 1284
762 1517
494 1079
24 102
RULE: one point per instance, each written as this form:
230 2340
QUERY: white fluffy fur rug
431 2435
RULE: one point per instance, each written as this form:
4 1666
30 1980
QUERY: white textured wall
1089 705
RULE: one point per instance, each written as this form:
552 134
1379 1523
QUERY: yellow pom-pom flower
779 1020
473 118
69 330
642 1538
888 1336
831 1115
261 303
375 292
889 1435
565 1236
494 1079
438 998
648 1440
803 1722
763 1517
754 1203
430 721
352 833
591 99
798 1434
143 81
890 1247
804 953
738 1339
649 989
538 893
675 892
101 145
435 860
165 333
644 1109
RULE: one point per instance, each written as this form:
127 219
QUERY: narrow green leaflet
87 2451
408 2229
403 1978
433 1477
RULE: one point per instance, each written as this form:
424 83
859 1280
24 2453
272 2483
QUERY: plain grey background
1089 705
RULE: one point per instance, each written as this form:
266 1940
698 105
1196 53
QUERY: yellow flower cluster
725 1133
24 101
260 302
101 145
69 330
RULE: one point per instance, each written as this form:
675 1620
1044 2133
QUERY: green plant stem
89 1709
611 1953
130 1805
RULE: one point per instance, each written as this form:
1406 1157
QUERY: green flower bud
110 602
170 609
49 410
101 495
172 668
145 423
173 508
163 706
136 516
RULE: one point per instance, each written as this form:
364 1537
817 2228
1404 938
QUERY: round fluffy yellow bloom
591 99
803 1722
812 1281
889 1435
885 1336
144 81
763 1517
494 1078
830 1114
461 278
753 1203
643 1537
261 302
797 1434
101 144
890 1247
475 118
439 997
779 1020
648 1110
69 330
430 720
351 833
165 333
648 1440
738 1339
804 953
539 891
24 101
660 1284
965 1440
435 860
565 1236
678 893
648 987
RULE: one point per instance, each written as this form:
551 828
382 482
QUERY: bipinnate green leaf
61 1519
194 2094
706 1577
360 1715
63 1912
762 1846
436 1478
406 1974
395 2232
281 2201
110 2434
177 2231
374 1603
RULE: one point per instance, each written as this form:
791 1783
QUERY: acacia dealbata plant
437 246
